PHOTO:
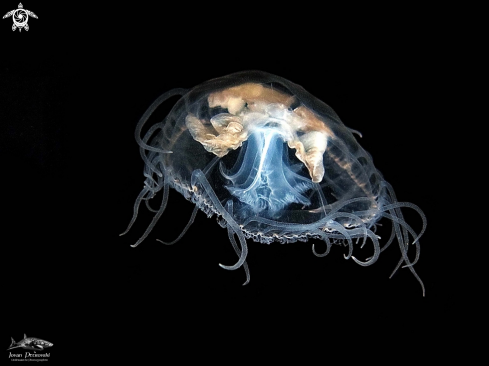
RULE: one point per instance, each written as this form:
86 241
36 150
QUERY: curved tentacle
199 177
412 271
157 216
328 246
374 258
338 227
355 132
404 248
135 209
146 201
162 98
194 212
148 160
184 231
343 231
238 252
229 208
411 231
389 242
150 184
397 209
416 258
400 219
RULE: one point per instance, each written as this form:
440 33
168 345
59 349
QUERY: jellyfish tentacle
328 245
389 242
162 98
403 222
374 258
152 155
418 248
198 177
404 248
229 208
194 212
412 271
411 231
404 251
184 231
238 252
402 236
399 222
157 216
355 132
146 201
397 211
135 210
338 227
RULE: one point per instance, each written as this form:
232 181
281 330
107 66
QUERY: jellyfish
272 163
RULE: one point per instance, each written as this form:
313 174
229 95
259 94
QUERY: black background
72 90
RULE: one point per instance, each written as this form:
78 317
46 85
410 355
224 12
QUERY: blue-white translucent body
273 163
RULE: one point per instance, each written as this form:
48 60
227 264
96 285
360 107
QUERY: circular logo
20 17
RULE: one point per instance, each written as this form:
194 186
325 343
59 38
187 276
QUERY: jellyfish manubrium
273 163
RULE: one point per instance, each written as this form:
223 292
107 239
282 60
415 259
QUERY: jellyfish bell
273 163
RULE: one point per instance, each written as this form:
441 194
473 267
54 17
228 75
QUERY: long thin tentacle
157 216
198 177
149 112
374 258
328 246
190 222
229 208
135 210
194 212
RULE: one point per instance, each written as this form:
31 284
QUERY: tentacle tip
134 245
246 282
229 268
360 262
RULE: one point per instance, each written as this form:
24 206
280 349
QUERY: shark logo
30 343
20 17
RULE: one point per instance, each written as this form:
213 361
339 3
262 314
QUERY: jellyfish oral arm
265 181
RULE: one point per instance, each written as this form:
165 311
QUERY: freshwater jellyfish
272 163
